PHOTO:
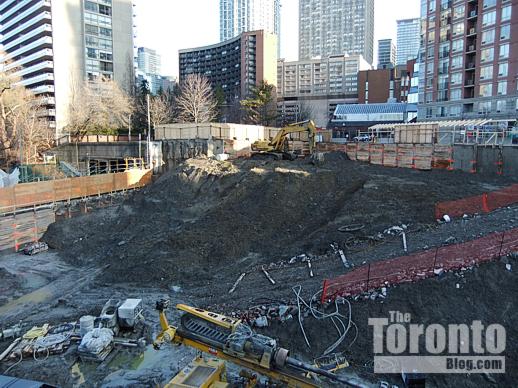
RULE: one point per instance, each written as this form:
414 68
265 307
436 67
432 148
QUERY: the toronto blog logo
401 346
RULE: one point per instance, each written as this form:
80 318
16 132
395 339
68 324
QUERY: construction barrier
18 229
420 265
418 156
484 203
37 193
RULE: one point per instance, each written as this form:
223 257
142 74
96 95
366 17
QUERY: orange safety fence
484 203
420 265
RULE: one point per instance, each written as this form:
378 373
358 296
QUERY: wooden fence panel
30 194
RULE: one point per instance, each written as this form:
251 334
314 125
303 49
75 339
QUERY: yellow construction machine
278 146
228 339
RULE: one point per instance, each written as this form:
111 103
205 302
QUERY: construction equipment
278 146
230 340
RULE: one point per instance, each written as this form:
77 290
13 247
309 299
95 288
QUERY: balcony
470 66
472 31
473 14
46 40
45 53
472 48
37 79
46 65
37 31
42 16
23 15
43 89
469 83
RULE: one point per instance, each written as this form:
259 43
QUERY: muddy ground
196 229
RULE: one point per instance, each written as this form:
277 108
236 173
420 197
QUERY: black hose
322 372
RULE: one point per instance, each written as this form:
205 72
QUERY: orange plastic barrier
484 203
420 265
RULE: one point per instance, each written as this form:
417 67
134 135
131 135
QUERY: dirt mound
207 220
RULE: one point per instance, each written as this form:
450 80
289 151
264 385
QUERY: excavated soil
206 220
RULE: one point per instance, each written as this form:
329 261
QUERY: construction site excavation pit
200 226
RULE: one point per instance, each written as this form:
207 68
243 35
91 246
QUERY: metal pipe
351 382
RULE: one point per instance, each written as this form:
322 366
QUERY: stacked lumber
363 153
423 157
390 155
405 155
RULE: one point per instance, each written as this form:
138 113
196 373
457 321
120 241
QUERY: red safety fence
420 265
484 203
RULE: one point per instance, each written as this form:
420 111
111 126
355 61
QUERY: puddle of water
131 361
37 296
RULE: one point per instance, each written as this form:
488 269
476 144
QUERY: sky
170 25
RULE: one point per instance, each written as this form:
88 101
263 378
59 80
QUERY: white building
148 60
336 27
60 43
237 16
408 40
314 87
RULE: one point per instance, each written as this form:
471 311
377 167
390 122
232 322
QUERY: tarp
9 180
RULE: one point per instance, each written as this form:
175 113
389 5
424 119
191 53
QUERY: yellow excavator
278 146
228 339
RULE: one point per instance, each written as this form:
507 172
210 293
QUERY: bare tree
24 134
160 110
98 106
196 102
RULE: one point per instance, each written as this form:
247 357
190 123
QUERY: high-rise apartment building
237 16
317 86
234 65
148 69
336 27
386 54
469 60
408 40
148 61
57 44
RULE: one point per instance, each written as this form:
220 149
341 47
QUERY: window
489 3
106 56
456 94
506 13
503 69
486 90
92 30
91 53
456 78
431 36
105 31
484 107
458 29
489 18
104 10
488 36
459 12
455 110
505 32
106 66
504 51
502 87
456 62
90 6
487 55
457 45
486 72
91 41
501 105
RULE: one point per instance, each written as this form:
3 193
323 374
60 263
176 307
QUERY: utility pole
148 133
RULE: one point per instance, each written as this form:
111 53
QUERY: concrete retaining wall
486 160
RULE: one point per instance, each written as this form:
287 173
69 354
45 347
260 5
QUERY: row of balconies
45 29
7 23
43 16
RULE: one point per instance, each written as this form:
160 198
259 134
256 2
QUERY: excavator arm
230 340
